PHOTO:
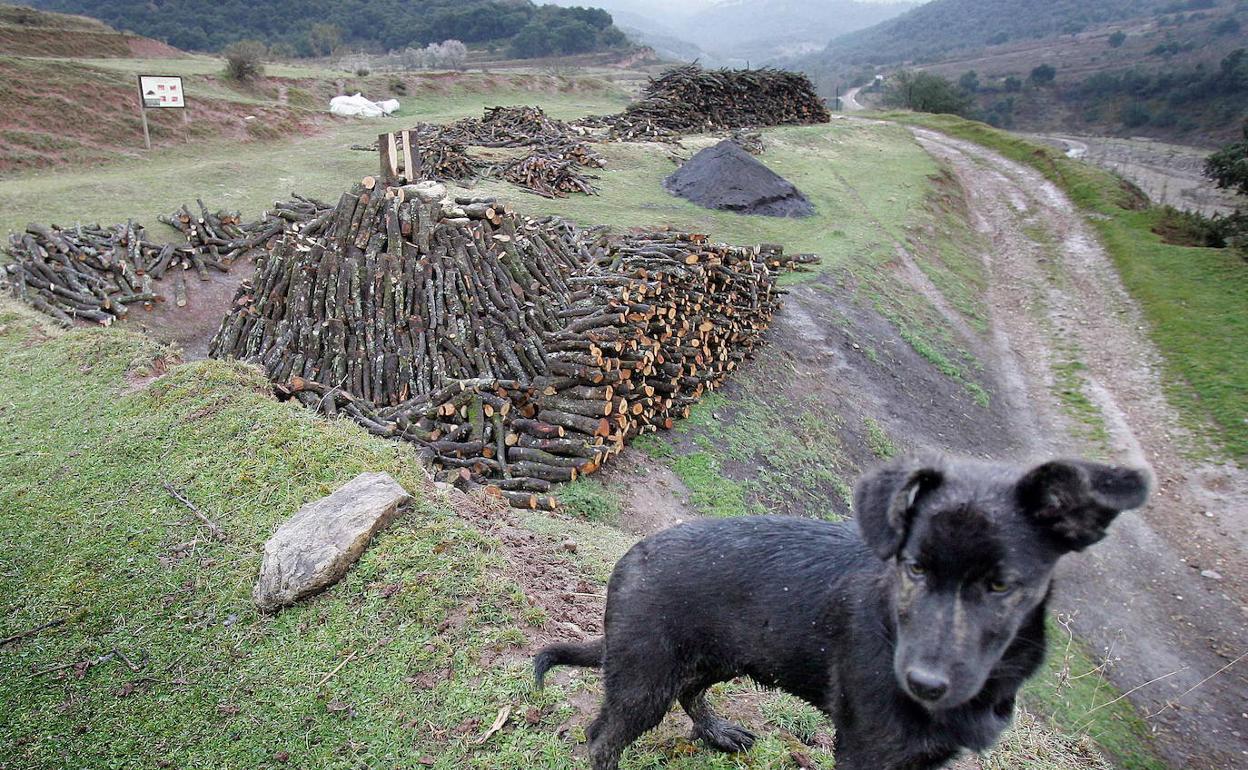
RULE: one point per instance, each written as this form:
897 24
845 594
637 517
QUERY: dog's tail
587 654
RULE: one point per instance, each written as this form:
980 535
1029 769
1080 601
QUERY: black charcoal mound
728 178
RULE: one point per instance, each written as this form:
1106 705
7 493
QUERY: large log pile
691 99
96 273
517 352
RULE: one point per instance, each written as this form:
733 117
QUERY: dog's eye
998 586
915 570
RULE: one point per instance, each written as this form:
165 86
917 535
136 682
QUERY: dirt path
1165 598
1169 173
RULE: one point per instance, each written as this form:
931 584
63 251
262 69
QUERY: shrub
244 60
1135 115
362 70
1189 228
1013 85
1228 167
1117 39
969 82
1228 26
926 92
1043 74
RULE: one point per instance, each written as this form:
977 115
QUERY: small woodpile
691 99
88 272
514 127
517 352
549 175
551 168
95 273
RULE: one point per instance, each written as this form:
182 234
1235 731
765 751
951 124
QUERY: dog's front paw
725 736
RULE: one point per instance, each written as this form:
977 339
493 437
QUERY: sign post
159 92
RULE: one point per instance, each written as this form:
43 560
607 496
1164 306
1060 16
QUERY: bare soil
192 327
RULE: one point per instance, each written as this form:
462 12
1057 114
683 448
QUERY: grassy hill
319 26
68 94
942 27
29 32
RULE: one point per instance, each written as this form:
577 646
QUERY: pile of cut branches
96 273
691 99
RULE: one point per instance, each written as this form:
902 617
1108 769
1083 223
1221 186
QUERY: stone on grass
314 548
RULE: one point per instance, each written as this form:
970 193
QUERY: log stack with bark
517 352
97 273
691 99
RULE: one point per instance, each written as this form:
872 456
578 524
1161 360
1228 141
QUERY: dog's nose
925 685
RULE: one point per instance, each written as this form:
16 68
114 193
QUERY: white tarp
351 106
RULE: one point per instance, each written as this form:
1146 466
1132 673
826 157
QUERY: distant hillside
943 27
768 29
725 32
314 27
29 32
1172 72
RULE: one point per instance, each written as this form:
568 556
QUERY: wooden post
385 147
405 139
147 136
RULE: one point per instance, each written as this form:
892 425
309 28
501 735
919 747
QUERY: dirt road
1165 598
850 103
1172 174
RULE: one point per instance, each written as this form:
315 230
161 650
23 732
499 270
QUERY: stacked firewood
514 127
552 175
88 271
95 273
691 99
550 168
517 352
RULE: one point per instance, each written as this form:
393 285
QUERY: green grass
423 632
877 439
858 210
591 499
1195 299
248 177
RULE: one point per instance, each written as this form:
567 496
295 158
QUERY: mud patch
572 605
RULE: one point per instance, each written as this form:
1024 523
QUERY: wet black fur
944 577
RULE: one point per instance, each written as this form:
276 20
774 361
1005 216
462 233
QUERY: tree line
318 27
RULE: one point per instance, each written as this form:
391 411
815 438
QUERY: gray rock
314 548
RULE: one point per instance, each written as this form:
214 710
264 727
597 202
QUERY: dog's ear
1075 500
884 502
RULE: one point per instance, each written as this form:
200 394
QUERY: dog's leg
618 725
627 711
711 727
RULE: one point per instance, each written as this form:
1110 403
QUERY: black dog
913 631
